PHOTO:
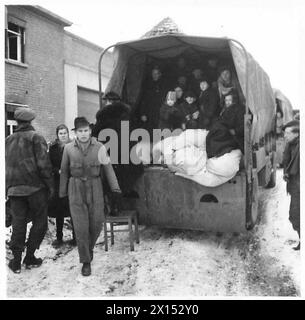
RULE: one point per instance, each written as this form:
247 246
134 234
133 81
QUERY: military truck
170 201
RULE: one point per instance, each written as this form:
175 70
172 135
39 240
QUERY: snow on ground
176 263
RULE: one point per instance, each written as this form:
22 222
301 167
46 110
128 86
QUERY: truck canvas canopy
167 200
130 61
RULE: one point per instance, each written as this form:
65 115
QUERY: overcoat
209 107
291 163
219 139
82 172
57 207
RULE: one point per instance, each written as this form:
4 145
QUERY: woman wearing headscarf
59 207
226 83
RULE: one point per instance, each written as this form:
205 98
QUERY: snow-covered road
177 263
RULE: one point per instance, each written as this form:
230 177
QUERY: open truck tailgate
174 202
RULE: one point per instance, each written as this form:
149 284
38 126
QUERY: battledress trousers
81 179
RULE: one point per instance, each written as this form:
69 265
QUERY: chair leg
130 234
136 228
111 233
105 236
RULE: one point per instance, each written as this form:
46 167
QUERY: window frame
20 43
11 124
10 107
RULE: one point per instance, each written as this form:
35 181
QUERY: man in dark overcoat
291 164
152 99
29 184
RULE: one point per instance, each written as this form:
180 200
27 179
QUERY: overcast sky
270 30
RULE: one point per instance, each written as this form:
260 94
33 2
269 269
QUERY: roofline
48 14
92 44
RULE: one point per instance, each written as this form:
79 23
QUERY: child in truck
170 115
190 111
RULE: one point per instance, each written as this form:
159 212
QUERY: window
14 42
11 123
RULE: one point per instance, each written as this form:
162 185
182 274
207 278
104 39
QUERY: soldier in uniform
29 184
291 163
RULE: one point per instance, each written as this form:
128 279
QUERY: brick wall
84 53
40 83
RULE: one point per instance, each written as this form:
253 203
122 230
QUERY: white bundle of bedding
186 156
217 170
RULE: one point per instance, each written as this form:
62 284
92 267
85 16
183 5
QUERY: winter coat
233 118
291 163
211 73
209 107
170 117
110 118
219 139
78 165
57 207
224 88
28 165
153 96
195 86
187 110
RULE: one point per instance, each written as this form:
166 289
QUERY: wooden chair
125 217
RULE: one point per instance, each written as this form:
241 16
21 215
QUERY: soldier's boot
57 243
31 261
15 263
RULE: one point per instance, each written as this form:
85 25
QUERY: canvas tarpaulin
130 66
260 98
285 105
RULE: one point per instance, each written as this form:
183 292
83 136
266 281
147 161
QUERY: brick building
49 69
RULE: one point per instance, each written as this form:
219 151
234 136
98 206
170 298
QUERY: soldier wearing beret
29 184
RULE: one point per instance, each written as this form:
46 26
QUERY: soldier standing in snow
29 184
291 163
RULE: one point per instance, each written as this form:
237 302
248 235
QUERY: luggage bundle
186 156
